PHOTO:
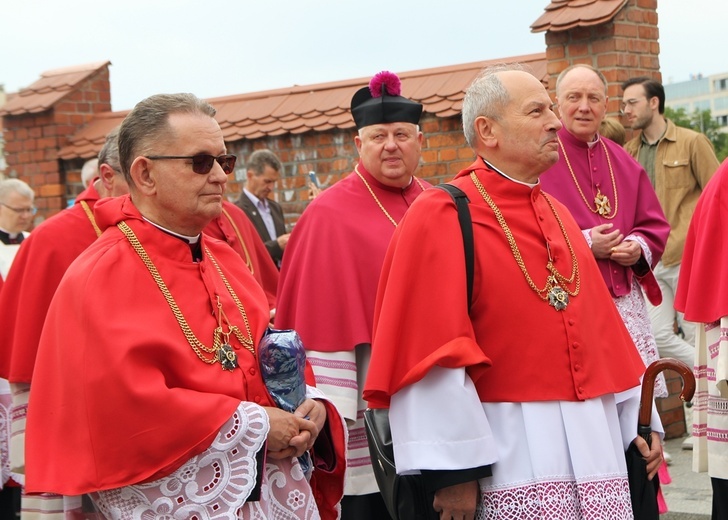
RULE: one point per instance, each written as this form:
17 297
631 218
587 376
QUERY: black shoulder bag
406 496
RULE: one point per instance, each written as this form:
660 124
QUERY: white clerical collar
530 185
592 144
10 234
188 239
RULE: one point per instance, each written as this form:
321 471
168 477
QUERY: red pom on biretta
381 102
385 80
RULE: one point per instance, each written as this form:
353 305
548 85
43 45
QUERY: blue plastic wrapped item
282 364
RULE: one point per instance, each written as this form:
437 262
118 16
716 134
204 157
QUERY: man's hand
315 411
289 434
603 240
313 190
652 455
283 240
627 253
457 502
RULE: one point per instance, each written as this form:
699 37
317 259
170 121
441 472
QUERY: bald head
581 92
513 123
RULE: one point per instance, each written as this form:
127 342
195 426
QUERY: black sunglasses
202 162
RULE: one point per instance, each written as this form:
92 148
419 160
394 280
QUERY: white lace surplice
551 459
214 485
710 410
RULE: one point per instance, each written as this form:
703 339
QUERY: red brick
555 52
51 190
580 33
441 140
647 4
604 31
556 38
429 156
647 32
577 49
624 29
452 124
604 45
635 15
555 67
448 154
430 126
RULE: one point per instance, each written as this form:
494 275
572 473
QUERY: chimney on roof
619 38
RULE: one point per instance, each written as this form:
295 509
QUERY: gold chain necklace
221 350
601 202
556 296
90 215
376 199
248 261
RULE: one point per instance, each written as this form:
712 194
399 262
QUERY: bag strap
466 227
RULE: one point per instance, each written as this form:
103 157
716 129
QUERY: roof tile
319 107
562 15
52 86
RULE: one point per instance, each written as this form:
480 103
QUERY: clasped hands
293 434
611 245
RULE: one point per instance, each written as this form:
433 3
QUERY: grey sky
222 47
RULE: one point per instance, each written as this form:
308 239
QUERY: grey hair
109 153
486 96
89 170
9 186
149 121
259 159
568 69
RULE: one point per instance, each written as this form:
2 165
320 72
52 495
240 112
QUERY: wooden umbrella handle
648 385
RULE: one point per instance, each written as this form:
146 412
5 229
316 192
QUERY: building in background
701 93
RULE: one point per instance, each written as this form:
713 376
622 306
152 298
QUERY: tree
701 121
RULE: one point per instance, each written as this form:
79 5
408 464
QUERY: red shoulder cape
118 395
234 227
34 276
333 259
514 346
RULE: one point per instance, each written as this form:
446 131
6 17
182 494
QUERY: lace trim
599 499
213 485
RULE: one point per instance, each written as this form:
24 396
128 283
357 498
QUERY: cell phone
312 177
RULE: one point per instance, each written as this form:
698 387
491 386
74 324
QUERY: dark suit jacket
278 221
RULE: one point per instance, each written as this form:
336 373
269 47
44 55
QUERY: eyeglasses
629 103
202 163
32 210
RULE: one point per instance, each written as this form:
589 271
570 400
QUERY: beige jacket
684 163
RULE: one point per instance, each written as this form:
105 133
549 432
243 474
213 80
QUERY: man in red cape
38 268
234 227
147 390
702 294
522 406
333 259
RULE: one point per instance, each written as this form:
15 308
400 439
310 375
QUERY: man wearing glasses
16 217
679 163
147 391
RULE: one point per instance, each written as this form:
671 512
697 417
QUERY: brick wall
33 141
623 48
332 155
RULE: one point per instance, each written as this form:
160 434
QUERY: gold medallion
558 298
602 203
227 357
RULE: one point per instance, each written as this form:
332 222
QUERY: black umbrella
643 491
